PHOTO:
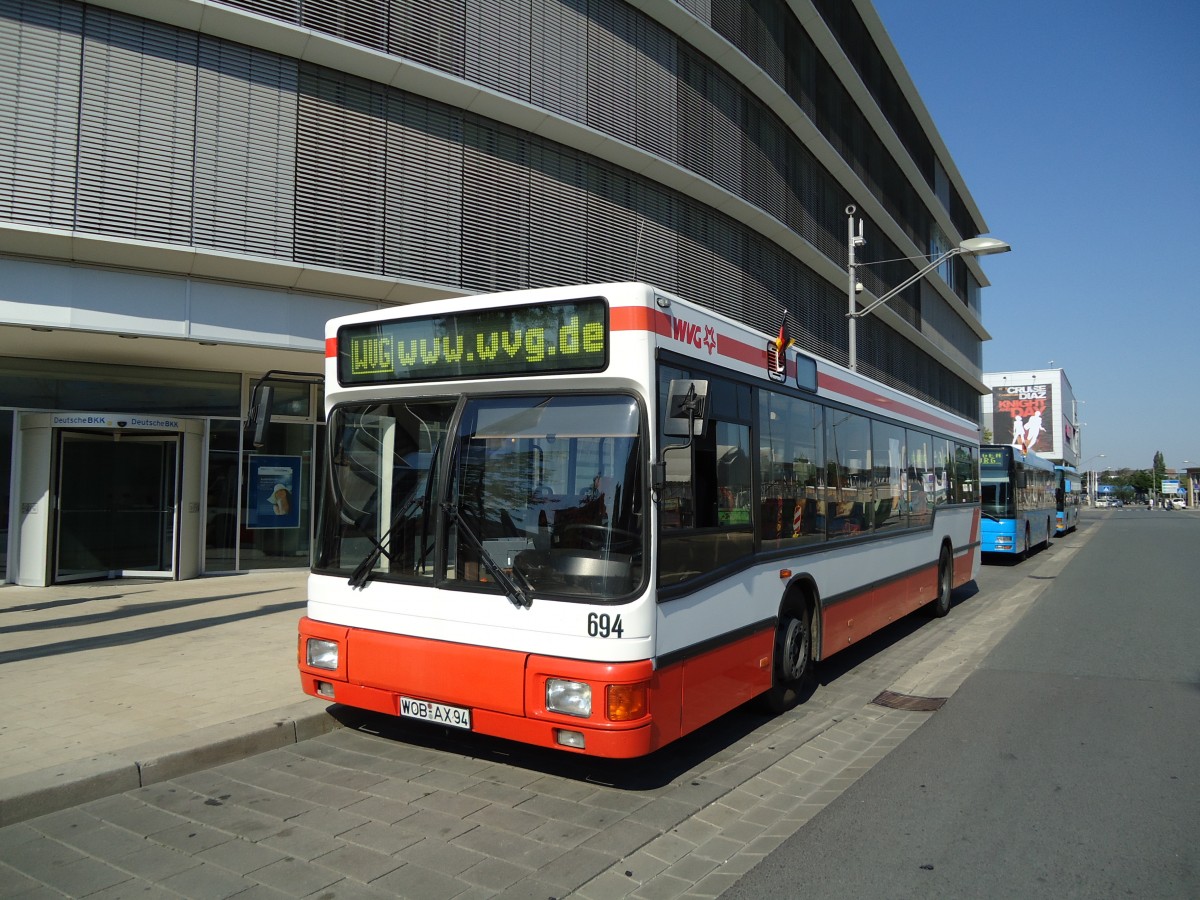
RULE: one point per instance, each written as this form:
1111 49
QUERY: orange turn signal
626 702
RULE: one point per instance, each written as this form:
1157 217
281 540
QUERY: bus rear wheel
792 666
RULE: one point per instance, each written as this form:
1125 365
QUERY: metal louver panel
339 172
725 105
39 106
495 208
611 69
694 116
360 21
698 8
558 82
558 207
433 34
136 136
612 224
245 149
656 257
288 10
657 90
424 214
498 45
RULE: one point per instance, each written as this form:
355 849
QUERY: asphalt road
1064 766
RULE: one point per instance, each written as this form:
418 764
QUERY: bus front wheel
940 605
791 668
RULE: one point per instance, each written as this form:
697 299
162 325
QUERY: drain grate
892 700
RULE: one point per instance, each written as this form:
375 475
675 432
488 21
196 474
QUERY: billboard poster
1022 415
273 500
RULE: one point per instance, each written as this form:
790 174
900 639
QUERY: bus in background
1017 498
597 518
1068 497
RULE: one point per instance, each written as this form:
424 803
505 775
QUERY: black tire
792 661
940 605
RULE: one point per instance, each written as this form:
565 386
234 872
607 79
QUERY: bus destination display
991 458
522 340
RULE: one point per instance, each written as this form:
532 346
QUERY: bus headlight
573 698
321 654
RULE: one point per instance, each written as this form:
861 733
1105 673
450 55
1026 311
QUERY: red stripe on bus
639 318
829 382
330 347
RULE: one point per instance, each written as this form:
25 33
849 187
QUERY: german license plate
440 713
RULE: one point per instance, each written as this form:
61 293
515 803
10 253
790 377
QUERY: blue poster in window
273 492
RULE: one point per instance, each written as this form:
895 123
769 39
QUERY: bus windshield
544 495
996 490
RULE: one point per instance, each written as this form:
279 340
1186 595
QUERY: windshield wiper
512 590
362 572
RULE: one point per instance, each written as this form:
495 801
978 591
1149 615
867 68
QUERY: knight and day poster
1022 415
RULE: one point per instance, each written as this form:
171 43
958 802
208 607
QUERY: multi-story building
190 188
1035 410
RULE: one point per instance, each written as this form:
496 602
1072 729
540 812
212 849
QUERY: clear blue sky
1076 126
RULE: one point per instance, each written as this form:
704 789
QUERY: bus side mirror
260 415
686 408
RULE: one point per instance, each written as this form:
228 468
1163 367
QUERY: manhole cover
908 702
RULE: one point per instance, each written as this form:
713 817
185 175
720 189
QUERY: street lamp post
976 246
1092 479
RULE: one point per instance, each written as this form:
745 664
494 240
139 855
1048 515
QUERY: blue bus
1016 498
1068 498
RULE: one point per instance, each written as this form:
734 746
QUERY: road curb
35 794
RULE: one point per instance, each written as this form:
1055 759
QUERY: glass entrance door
116 505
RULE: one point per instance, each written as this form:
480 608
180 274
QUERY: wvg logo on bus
381 354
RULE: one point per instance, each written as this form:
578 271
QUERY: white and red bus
599 517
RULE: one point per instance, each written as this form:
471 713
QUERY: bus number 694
605 626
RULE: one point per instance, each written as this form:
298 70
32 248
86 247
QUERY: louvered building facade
190 188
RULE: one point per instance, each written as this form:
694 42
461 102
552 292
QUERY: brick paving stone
609 885
445 781
525 889
570 870
505 845
427 823
359 863
561 834
662 887
155 863
104 840
495 792
691 868
663 813
207 882
458 805
190 837
494 874
621 839
441 856
397 788
415 882
331 821
296 877
376 836
514 820
564 810
381 809
240 856
301 842
712 885
669 848
82 876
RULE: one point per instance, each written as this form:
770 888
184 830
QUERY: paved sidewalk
116 684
